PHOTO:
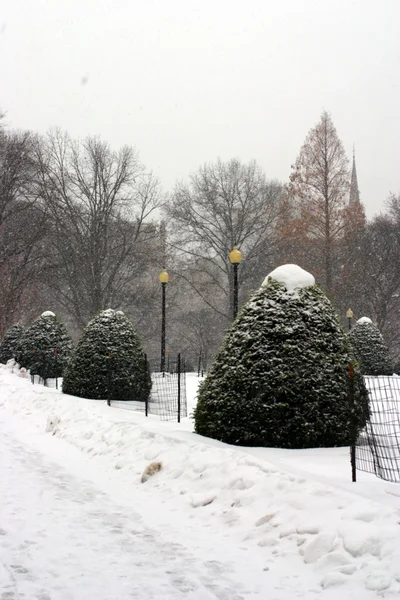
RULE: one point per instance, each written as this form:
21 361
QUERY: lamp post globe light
349 315
235 257
163 278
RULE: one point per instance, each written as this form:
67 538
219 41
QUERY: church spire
354 191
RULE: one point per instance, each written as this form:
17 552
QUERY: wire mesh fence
378 445
49 382
168 397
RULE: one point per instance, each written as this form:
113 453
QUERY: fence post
109 376
56 356
44 369
179 387
352 424
146 402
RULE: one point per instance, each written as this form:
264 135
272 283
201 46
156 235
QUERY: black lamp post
235 256
163 277
349 315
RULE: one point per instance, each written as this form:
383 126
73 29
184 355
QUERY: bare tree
100 202
16 170
224 204
22 227
381 270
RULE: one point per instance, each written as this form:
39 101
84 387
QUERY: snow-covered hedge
9 343
45 347
108 362
370 349
280 378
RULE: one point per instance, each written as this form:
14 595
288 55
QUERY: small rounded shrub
281 376
45 347
10 342
108 361
370 349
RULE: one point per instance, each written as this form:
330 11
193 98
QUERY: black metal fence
378 445
168 392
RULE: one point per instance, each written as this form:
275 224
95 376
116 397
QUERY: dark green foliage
280 378
396 367
45 347
9 343
108 362
370 349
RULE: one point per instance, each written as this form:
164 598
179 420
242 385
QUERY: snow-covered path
61 538
217 521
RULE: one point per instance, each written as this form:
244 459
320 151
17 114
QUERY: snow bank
292 276
307 536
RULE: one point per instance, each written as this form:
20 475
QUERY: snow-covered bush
370 349
45 347
108 361
281 376
9 343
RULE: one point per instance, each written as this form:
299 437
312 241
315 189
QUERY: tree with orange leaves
315 203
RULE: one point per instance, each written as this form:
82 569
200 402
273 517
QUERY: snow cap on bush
281 375
364 320
292 276
108 362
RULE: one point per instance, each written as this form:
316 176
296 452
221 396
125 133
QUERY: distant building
354 197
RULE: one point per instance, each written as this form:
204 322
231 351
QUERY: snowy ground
216 522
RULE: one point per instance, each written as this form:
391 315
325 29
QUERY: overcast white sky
186 81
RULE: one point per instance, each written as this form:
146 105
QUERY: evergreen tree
45 347
108 362
370 349
9 343
280 378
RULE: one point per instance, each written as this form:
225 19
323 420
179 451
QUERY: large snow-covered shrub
108 362
9 343
45 347
281 376
370 349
